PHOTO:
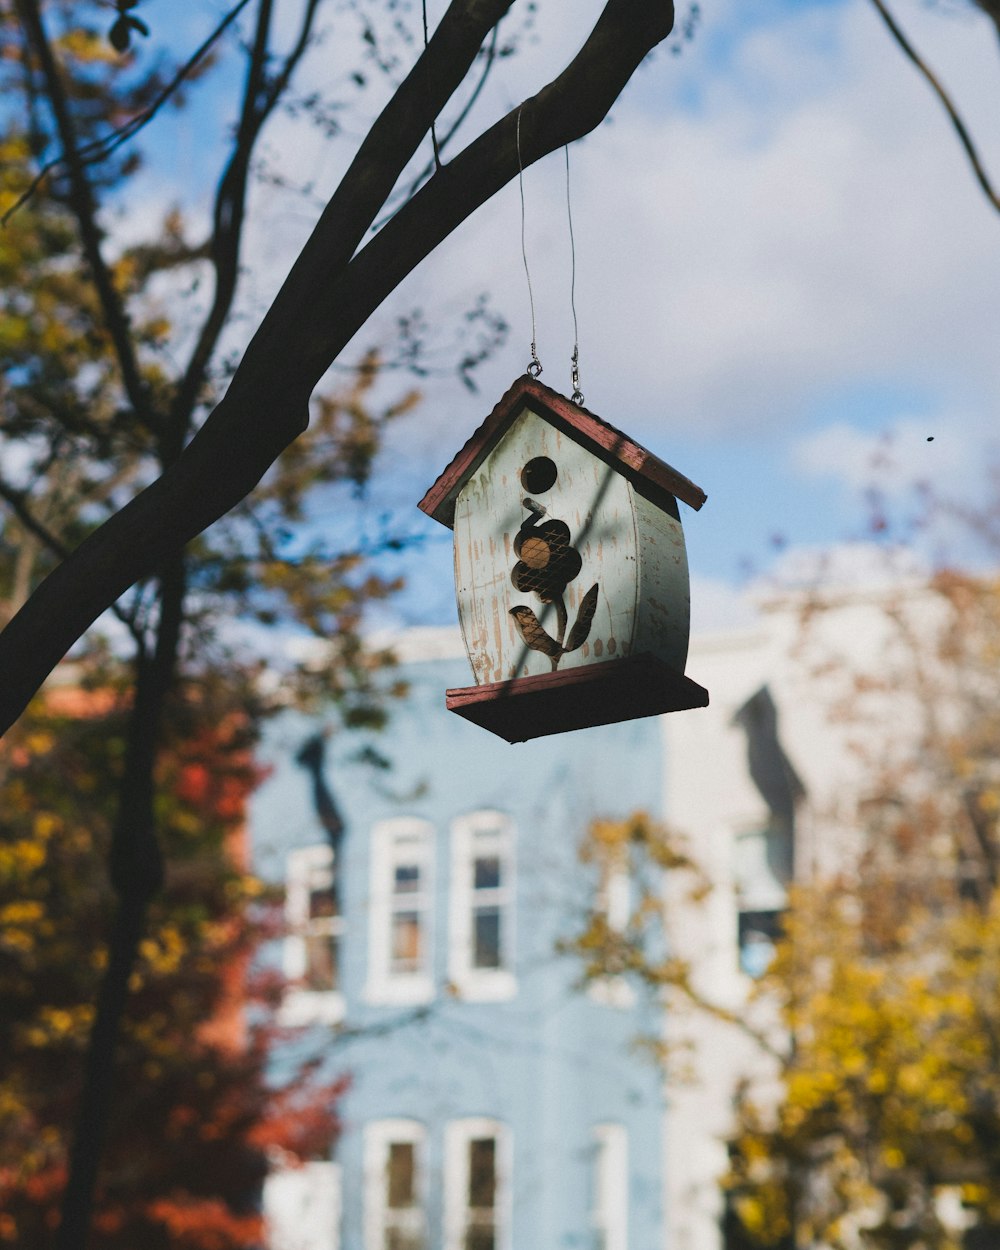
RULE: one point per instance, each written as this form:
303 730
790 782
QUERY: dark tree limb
90 1127
960 128
568 108
489 60
326 298
17 501
992 9
85 211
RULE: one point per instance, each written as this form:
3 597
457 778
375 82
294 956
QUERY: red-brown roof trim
650 475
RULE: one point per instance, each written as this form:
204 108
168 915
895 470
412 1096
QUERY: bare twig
440 144
959 125
17 501
259 101
100 149
85 211
18 504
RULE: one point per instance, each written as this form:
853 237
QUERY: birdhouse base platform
577 698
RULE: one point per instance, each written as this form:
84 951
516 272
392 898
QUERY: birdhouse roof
650 475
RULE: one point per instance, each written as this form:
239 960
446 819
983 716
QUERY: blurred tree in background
886 1128
193 1117
870 1117
109 368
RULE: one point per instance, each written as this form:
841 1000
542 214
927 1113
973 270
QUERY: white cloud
807 224
811 218
765 255
839 566
906 452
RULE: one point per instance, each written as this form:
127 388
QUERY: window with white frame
762 869
399 940
395 1185
477 1185
481 952
302 1207
609 1212
315 929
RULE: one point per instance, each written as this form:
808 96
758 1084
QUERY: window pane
321 961
482 1175
322 902
404 1239
406 879
406 941
401 1169
481 1237
759 931
486 937
486 873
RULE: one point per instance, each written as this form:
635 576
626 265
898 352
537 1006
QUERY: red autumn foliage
195 1115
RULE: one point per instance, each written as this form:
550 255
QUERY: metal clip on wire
577 396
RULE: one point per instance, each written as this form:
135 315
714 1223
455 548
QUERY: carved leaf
532 634
581 626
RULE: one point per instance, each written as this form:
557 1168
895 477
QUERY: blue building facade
494 1103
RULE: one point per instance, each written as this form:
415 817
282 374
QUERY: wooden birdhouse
570 570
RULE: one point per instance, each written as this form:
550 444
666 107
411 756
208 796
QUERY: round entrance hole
539 474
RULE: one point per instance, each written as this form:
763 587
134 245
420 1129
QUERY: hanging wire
577 395
535 367
434 137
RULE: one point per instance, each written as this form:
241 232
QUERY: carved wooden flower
547 562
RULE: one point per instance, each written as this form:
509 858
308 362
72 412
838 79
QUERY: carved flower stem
562 619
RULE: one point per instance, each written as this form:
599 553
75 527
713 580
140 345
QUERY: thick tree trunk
136 873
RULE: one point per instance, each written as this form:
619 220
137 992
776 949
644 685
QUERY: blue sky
786 276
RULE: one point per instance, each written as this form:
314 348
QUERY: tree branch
565 110
17 501
100 149
324 301
440 144
230 204
84 209
259 101
960 128
992 9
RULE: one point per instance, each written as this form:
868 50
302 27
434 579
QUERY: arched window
395 1200
477 1185
312 946
400 967
481 949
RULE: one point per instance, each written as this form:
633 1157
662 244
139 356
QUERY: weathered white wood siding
629 547
593 501
663 612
